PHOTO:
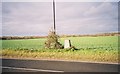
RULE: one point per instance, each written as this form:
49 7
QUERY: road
17 65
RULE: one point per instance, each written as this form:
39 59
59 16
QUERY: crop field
89 49
110 42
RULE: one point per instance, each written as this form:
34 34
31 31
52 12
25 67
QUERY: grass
80 55
23 44
110 42
102 49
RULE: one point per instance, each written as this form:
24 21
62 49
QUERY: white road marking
32 69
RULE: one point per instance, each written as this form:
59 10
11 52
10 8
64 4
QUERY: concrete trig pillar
67 44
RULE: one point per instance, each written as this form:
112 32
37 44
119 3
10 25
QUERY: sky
36 18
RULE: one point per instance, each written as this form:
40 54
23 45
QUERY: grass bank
78 55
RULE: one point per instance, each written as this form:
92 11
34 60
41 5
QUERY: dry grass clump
52 41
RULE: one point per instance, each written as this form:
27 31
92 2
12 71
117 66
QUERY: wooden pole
54 27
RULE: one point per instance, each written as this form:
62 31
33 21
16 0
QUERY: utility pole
54 27
52 39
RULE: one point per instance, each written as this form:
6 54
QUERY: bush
52 41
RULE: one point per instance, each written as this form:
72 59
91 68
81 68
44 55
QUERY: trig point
67 44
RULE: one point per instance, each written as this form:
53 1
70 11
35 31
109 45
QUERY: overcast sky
36 18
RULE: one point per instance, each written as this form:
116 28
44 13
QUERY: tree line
93 35
20 37
36 37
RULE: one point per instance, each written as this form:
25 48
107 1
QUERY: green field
103 49
110 42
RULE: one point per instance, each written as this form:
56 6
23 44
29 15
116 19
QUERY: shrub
52 41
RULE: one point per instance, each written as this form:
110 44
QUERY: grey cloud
71 18
95 19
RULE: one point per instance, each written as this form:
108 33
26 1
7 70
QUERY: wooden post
54 27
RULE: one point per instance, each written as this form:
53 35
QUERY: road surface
17 65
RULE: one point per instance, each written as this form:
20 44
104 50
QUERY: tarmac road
18 65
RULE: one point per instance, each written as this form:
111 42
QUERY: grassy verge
79 55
